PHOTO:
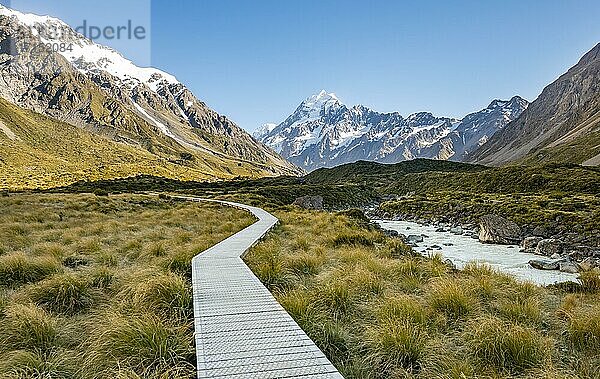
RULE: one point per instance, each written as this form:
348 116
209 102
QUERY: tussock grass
590 280
157 346
28 327
165 293
98 287
451 298
17 269
584 328
395 344
506 346
66 294
21 364
379 311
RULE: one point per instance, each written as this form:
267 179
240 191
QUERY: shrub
66 293
17 269
506 346
28 327
144 344
395 344
450 298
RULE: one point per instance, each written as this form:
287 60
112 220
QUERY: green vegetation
40 152
574 212
99 286
379 311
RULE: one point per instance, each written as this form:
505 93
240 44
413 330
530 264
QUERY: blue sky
255 60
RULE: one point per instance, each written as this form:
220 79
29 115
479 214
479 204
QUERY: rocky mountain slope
323 132
97 89
561 125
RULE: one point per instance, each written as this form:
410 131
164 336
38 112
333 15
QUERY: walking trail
241 331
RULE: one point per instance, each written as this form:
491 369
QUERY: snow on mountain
94 87
264 130
88 56
323 132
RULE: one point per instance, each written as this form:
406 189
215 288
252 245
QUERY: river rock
495 229
413 238
529 244
568 267
544 265
309 202
458 230
549 247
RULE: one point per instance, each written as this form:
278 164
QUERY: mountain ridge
324 132
96 88
561 125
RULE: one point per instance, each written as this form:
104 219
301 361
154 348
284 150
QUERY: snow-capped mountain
96 88
323 132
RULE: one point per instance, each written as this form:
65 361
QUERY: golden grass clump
451 297
28 327
18 269
164 293
506 346
65 294
146 344
584 328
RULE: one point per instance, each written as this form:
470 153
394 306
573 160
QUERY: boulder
309 202
544 265
413 238
458 230
540 231
529 244
568 267
549 247
495 229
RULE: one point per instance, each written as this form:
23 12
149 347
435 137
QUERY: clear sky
255 60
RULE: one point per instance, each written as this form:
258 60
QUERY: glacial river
465 249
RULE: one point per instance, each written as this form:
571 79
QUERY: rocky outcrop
529 244
309 202
549 247
496 229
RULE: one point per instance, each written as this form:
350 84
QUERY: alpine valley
58 110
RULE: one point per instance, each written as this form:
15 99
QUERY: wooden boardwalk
241 331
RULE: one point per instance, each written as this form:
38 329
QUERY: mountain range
324 132
96 89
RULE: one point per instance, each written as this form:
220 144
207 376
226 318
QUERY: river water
465 249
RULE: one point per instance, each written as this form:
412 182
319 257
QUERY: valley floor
99 287
379 311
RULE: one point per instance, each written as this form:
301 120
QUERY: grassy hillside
378 312
99 287
40 152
